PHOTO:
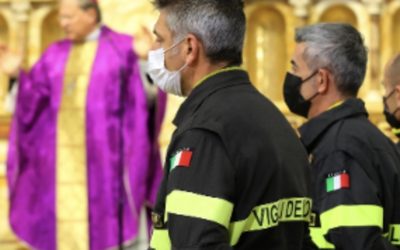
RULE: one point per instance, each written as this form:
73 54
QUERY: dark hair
90 4
219 24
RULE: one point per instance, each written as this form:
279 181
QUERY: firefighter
236 174
391 99
355 168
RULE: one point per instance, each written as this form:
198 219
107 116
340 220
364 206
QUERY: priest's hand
143 42
10 62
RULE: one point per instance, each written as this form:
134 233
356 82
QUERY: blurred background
29 26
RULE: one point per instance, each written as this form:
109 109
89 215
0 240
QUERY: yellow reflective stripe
199 206
396 131
317 235
346 216
217 72
336 104
271 214
352 216
394 234
160 240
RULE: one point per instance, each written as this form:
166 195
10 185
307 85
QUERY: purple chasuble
32 161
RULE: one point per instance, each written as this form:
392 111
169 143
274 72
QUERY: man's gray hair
91 4
339 48
219 24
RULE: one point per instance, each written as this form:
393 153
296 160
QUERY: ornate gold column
374 8
301 10
20 10
18 15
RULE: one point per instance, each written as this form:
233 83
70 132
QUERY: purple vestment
32 160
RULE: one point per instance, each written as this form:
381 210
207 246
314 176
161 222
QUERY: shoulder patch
182 158
338 180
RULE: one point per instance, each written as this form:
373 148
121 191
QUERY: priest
81 165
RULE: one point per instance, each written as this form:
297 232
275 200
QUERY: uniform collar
207 86
396 132
315 127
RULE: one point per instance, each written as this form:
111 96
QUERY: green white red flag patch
182 158
337 181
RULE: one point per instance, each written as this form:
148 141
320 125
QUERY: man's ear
324 80
192 49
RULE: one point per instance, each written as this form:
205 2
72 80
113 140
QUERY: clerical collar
94 35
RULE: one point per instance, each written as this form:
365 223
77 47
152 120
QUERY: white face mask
168 81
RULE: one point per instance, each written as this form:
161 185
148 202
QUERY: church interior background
29 26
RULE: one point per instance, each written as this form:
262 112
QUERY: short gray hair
339 48
219 24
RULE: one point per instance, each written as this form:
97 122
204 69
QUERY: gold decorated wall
29 26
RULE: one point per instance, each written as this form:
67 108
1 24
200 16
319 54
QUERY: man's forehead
69 3
75 2
161 27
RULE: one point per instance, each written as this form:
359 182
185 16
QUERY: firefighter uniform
236 175
397 134
355 180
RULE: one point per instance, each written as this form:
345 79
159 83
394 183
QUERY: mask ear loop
305 80
385 98
311 76
312 97
174 45
184 66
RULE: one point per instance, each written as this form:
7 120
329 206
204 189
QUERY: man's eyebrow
156 33
294 64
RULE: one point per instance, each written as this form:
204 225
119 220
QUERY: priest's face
76 22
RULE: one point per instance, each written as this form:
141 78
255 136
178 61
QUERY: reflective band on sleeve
352 216
346 216
200 206
394 234
160 240
317 235
270 215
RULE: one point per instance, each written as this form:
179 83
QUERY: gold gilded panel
339 13
4 36
396 32
3 30
51 30
266 51
268 44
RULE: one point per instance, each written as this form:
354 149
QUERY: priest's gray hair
339 48
219 24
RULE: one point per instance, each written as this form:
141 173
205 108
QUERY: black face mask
390 117
293 98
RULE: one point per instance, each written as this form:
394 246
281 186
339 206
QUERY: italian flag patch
182 159
337 181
